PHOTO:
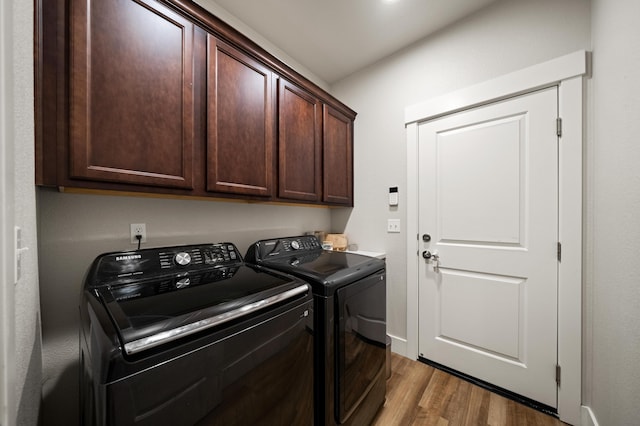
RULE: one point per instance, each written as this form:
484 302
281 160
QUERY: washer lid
150 314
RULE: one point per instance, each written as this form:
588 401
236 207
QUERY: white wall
506 36
22 318
75 228
7 361
612 344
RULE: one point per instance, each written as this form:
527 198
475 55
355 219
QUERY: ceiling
334 38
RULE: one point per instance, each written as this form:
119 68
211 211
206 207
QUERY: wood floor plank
456 410
435 398
477 412
420 395
497 410
435 393
403 393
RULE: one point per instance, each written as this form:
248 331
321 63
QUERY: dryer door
360 341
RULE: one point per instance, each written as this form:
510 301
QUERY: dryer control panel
283 247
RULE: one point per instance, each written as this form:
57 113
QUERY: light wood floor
418 394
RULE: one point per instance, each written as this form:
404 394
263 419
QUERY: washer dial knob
182 258
295 244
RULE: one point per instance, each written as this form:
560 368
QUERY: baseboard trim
399 345
588 418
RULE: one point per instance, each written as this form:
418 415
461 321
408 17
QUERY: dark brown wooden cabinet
131 94
337 157
160 96
240 122
299 143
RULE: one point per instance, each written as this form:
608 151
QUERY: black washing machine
349 292
191 335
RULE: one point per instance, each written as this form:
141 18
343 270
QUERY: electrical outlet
138 229
393 225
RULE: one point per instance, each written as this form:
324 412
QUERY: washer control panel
141 264
194 256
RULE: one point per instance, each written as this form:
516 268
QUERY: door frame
568 73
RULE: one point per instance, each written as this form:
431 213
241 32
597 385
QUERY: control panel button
183 282
182 259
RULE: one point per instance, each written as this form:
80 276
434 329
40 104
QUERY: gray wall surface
612 332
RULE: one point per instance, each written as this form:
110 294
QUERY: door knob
426 254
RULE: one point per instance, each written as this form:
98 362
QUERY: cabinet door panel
240 123
132 100
299 143
337 157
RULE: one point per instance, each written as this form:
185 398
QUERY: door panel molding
454 191
480 293
568 73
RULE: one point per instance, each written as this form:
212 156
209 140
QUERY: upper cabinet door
240 122
132 99
299 143
338 157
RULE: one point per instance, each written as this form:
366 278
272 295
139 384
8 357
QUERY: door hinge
559 251
558 374
559 127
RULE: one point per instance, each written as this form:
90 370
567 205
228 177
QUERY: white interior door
488 198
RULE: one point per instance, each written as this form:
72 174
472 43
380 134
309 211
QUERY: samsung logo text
128 257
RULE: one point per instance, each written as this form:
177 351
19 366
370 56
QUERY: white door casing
488 188
568 73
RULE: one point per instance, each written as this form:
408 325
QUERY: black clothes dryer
191 335
349 292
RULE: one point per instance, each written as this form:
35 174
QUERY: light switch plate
17 245
19 248
393 225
